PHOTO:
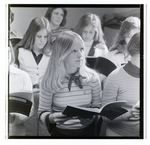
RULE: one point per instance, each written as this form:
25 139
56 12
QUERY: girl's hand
17 118
58 118
87 120
136 110
36 90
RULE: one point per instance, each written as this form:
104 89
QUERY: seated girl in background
124 84
33 52
89 28
118 53
68 80
18 81
57 19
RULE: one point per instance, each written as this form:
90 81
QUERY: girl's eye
74 51
82 49
56 13
39 36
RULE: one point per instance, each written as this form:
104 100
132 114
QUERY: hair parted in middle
56 71
94 20
37 24
49 13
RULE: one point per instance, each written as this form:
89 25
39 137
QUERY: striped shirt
55 32
123 84
89 96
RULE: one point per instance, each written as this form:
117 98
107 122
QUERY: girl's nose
87 34
79 53
59 16
42 39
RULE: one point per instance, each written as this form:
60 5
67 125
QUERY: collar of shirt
132 70
37 58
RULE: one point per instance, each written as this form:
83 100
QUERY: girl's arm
96 94
45 104
46 114
110 91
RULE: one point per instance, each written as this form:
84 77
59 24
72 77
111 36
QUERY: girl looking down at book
118 53
89 28
68 80
19 81
123 84
33 51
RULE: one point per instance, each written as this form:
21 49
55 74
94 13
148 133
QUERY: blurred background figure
124 84
118 52
19 81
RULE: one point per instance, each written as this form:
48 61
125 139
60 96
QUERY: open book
110 110
20 102
101 64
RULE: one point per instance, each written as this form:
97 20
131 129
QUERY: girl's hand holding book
136 110
58 118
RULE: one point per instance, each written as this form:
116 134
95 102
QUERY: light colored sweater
29 65
123 84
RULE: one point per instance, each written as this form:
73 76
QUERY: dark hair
49 13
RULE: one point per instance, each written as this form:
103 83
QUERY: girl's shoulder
21 49
61 29
100 46
23 52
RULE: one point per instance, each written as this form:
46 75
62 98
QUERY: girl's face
131 33
75 58
88 33
57 16
41 38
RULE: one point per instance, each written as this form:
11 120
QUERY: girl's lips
79 60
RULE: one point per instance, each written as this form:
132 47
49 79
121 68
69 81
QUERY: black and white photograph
75 71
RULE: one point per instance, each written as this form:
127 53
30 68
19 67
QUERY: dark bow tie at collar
76 80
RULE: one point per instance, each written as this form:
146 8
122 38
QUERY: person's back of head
133 46
129 24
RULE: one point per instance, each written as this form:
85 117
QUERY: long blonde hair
56 71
